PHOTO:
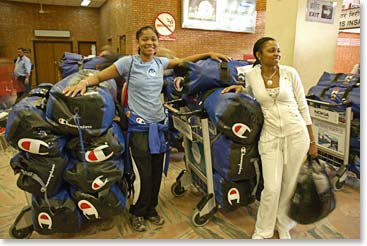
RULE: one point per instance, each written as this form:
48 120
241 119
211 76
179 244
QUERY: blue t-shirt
144 86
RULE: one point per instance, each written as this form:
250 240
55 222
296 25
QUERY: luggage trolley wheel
338 181
198 220
177 190
21 233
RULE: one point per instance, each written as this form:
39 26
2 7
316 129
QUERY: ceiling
93 4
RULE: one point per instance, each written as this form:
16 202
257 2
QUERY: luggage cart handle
347 103
170 107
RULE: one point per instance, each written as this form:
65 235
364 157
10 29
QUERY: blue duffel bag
103 205
39 175
107 146
234 161
237 115
27 128
92 113
73 63
338 95
94 177
57 214
338 79
192 78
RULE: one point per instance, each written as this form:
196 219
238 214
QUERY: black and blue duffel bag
91 113
107 146
102 205
192 78
234 161
94 177
39 175
57 214
237 115
231 195
27 128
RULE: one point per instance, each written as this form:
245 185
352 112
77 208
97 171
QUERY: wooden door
47 57
86 48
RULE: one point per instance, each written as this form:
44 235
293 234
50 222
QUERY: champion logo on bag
88 209
140 120
33 146
98 183
240 130
97 154
233 194
334 93
178 84
44 219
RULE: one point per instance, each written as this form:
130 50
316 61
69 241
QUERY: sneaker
138 223
156 220
257 236
284 235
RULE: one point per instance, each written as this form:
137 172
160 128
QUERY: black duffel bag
314 197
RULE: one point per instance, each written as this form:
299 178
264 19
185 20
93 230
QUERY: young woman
285 138
144 77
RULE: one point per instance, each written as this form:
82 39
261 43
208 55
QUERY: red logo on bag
33 146
140 120
88 209
240 130
45 219
97 154
233 194
98 183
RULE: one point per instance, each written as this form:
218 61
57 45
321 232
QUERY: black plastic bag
314 198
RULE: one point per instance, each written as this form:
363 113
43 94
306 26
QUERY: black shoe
138 223
155 220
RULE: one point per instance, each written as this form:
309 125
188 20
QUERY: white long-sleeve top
288 112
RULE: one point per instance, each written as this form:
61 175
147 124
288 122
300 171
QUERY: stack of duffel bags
238 120
40 163
73 165
337 88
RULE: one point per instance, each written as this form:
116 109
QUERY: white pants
281 161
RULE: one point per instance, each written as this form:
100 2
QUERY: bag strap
224 74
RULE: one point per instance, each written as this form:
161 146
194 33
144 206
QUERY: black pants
27 88
147 169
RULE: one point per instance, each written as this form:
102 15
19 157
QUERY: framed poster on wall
221 15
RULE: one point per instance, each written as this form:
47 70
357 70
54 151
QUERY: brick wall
18 20
132 15
347 52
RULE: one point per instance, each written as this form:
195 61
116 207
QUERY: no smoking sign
165 25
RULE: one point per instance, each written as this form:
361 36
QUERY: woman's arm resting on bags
108 73
215 56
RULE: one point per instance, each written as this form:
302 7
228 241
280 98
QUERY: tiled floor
343 223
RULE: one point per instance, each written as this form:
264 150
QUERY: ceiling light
85 2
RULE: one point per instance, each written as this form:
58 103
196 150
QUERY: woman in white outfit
286 136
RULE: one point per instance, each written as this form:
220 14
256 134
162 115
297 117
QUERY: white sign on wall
350 18
321 11
165 25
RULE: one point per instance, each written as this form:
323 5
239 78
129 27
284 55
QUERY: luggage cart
197 130
194 126
331 127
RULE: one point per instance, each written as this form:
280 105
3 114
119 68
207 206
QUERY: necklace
269 80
